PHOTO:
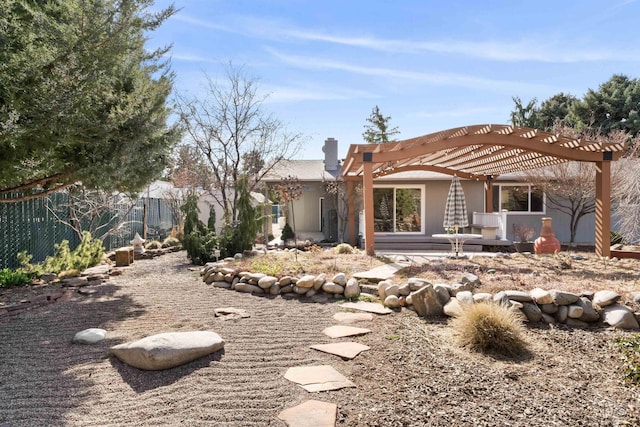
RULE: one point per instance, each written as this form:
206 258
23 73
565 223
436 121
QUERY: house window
397 209
521 198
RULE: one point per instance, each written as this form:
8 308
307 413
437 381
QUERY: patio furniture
457 241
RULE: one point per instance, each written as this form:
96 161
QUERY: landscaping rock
392 301
531 311
465 297
245 287
619 316
453 308
90 336
371 307
274 289
352 290
340 279
521 296
346 350
392 290
311 292
317 378
167 350
541 296
332 288
267 281
254 278
589 313
482 297
404 289
306 281
319 281
575 311
576 323
547 318
459 287
310 413
549 308
426 302
563 298
501 298
416 283
285 281
340 331
223 284
605 298
382 288
299 290
562 313
346 317
444 293
471 279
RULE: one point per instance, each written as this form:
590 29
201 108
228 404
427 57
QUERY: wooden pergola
479 152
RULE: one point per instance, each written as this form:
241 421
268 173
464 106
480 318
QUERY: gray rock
589 313
226 270
562 313
563 298
266 282
382 288
444 293
459 287
300 291
319 281
285 281
549 308
547 318
306 281
605 298
340 279
483 297
575 311
286 289
368 289
404 289
453 308
515 305
588 294
541 296
332 288
237 257
352 290
501 298
392 301
416 283
254 278
465 297
167 350
90 336
392 290
274 289
619 316
576 323
521 296
471 279
223 284
248 288
310 292
426 302
635 296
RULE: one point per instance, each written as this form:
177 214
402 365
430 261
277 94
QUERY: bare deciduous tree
338 190
235 136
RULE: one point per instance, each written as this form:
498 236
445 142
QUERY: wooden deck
428 243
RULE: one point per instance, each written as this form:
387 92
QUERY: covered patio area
480 153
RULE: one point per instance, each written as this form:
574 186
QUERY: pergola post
488 194
352 213
367 191
603 208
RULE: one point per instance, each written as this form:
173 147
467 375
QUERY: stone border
433 300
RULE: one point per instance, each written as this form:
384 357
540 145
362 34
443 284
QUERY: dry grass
490 328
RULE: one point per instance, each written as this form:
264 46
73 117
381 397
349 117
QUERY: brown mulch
413 374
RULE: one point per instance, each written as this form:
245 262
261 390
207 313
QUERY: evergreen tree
81 99
378 131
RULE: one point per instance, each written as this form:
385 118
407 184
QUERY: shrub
170 242
344 248
88 253
287 232
10 278
490 328
65 274
523 232
200 247
154 244
630 349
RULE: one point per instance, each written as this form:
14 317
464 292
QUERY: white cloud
528 49
449 79
279 94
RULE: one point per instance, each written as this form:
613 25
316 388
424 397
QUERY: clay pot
547 242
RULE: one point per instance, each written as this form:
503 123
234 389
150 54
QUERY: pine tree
378 131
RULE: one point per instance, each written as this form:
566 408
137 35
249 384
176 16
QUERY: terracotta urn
547 242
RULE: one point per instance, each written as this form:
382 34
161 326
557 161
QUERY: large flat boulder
167 350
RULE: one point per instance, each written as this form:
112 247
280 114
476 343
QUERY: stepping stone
371 307
90 336
346 317
318 378
346 350
164 351
382 272
229 313
312 413
339 331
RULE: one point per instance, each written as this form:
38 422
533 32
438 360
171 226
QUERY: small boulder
416 283
167 350
470 278
392 290
404 289
532 311
521 296
340 279
605 298
332 288
90 336
267 281
620 317
563 298
453 308
251 289
465 297
392 301
575 311
319 281
426 302
589 313
541 296
482 297
306 281
352 290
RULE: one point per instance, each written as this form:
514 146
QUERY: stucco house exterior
408 206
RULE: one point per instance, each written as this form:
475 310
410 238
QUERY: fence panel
32 227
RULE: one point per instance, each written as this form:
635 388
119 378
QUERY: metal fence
37 225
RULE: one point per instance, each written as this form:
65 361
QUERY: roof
476 152
303 170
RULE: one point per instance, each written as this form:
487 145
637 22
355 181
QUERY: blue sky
430 65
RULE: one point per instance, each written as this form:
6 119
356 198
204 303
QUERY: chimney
330 150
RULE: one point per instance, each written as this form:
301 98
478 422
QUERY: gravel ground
413 374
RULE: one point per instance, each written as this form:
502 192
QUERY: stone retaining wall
430 300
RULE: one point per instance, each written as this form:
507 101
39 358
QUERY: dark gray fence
33 227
